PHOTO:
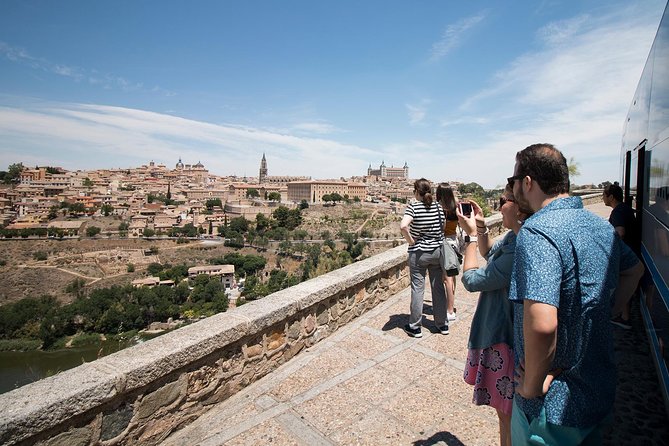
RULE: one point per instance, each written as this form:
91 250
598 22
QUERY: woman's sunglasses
502 201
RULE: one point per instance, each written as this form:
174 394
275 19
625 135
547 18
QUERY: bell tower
262 177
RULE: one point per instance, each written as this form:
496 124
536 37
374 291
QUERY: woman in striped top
422 227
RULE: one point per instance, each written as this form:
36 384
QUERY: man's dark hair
546 165
615 190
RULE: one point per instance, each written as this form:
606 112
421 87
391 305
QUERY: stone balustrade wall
591 198
142 394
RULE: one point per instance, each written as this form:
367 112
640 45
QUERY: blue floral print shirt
570 258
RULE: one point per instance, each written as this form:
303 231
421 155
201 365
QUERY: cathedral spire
262 176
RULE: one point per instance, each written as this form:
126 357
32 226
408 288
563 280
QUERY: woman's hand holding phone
466 219
478 213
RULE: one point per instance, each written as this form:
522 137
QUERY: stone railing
142 394
591 198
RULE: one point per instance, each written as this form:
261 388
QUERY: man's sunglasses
512 180
503 201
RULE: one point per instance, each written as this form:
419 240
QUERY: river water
20 368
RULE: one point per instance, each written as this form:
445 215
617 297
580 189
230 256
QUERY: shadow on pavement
440 437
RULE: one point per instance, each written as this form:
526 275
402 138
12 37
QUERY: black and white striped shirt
427 226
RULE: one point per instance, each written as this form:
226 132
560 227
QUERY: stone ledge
37 410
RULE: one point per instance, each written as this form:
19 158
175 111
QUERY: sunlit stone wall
142 394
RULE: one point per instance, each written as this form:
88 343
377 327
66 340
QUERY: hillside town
153 199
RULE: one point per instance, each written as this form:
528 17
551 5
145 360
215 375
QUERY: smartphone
465 208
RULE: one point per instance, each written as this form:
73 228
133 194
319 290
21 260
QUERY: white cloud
417 112
460 120
574 92
452 36
320 128
559 32
94 136
93 77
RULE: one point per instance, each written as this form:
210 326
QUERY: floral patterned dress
490 361
490 371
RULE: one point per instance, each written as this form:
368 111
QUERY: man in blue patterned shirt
567 266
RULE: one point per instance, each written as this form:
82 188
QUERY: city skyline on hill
325 89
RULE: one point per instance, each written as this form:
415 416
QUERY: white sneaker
452 316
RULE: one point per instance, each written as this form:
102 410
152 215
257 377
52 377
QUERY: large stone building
313 191
389 172
196 172
263 178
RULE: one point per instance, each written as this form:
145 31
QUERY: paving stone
375 428
320 369
269 432
334 410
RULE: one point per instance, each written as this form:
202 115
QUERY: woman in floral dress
490 365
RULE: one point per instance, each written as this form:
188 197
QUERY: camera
465 208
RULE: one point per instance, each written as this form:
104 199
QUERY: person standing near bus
622 216
624 221
567 266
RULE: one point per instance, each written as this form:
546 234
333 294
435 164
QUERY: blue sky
324 88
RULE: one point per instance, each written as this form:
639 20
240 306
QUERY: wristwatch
471 238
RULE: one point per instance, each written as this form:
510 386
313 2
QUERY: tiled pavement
369 383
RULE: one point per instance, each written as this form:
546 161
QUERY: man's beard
523 205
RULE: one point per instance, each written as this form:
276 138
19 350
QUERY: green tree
76 287
92 231
123 228
304 204
181 293
471 189
214 202
300 234
262 223
285 248
287 218
87 182
148 232
106 209
40 255
277 234
274 196
336 197
234 239
574 171
252 193
53 212
239 224
55 232
13 173
154 268
77 208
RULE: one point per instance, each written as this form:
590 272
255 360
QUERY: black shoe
622 323
413 332
443 329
